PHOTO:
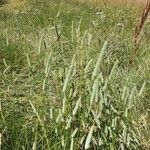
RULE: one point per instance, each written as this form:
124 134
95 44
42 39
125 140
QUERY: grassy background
66 78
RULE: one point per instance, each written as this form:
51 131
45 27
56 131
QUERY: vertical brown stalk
138 30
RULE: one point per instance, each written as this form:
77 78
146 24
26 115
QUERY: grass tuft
66 80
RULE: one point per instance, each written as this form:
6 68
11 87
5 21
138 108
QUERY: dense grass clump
2 2
66 78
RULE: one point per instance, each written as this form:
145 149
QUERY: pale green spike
89 137
142 89
74 133
68 74
113 69
99 60
76 107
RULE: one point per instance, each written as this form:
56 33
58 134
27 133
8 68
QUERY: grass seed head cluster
66 81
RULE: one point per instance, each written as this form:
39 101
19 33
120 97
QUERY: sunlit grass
66 79
14 5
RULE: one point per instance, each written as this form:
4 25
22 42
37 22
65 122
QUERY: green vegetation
66 81
2 2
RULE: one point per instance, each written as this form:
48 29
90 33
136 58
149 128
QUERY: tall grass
139 28
77 92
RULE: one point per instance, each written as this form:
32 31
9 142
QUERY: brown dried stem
138 30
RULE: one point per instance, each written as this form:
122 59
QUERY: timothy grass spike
99 60
89 137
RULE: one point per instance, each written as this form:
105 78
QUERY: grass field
66 78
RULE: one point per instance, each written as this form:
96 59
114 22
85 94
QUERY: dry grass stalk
138 30
140 26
